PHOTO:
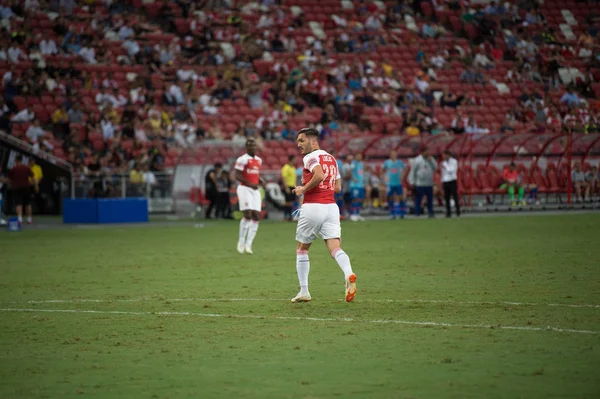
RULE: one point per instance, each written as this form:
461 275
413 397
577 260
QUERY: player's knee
302 248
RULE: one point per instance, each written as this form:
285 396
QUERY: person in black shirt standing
96 178
211 188
223 204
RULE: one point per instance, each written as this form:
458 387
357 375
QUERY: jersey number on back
330 172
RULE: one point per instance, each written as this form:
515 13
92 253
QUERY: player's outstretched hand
299 190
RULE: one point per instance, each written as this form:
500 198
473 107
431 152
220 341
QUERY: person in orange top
512 180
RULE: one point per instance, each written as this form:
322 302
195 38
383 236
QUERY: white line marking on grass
438 301
508 303
325 319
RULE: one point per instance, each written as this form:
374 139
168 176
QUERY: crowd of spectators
129 84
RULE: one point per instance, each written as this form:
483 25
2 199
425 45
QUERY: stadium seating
406 53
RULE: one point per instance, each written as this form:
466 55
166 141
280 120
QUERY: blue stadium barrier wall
80 210
113 210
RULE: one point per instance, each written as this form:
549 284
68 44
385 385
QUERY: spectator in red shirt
21 178
497 54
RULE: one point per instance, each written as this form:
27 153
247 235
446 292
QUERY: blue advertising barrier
109 210
80 210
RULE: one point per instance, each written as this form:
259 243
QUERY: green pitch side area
471 308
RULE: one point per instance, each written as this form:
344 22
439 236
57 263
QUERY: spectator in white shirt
211 107
7 77
438 60
48 47
149 177
24 115
117 99
88 54
449 183
35 133
36 56
265 21
102 98
186 73
140 132
483 61
125 32
166 55
219 59
472 127
138 96
132 47
373 22
15 54
421 84
177 93
107 127
339 21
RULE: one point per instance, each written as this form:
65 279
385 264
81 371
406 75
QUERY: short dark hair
309 131
291 157
424 148
447 152
218 165
19 158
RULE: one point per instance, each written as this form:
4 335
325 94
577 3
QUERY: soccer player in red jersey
247 173
319 214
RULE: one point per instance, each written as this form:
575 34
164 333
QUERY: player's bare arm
240 177
338 186
317 177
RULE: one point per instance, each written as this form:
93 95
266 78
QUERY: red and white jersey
250 167
324 192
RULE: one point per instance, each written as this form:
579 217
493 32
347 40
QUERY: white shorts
249 199
318 220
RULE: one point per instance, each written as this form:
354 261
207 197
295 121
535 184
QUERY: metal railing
157 187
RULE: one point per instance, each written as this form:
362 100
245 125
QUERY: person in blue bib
357 187
395 171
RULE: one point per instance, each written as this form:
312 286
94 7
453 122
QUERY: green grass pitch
495 307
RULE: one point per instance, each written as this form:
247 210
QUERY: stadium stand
153 82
